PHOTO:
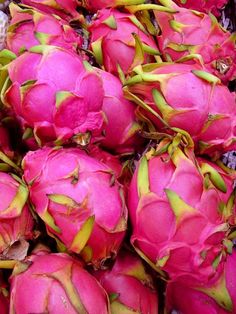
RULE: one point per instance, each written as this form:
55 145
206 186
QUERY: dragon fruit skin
191 32
203 5
29 28
121 127
218 296
170 190
205 101
63 8
129 286
94 5
56 283
69 201
16 222
47 86
112 46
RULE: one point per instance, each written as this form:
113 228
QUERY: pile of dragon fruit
117 157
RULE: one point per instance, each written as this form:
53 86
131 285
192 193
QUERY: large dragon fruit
129 286
190 32
121 128
16 222
203 5
81 203
55 284
30 27
64 8
218 296
113 47
186 97
48 94
180 211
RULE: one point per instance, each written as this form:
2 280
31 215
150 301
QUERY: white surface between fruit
3 28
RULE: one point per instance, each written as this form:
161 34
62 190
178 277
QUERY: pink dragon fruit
218 296
16 222
180 211
129 286
64 8
69 201
203 5
114 48
198 97
94 5
190 32
30 27
48 94
121 127
55 284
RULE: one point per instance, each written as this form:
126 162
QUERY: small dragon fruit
121 127
188 32
16 222
64 8
48 94
114 48
55 284
178 94
218 296
30 27
69 201
94 5
129 287
3 29
180 211
203 5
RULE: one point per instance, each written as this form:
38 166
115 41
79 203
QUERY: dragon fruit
63 8
203 5
55 284
129 286
198 96
113 48
121 128
94 5
69 202
48 95
188 32
30 27
16 222
180 211
218 296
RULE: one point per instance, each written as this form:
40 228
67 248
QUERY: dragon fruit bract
215 297
94 5
129 286
113 47
190 32
30 27
49 95
55 284
16 222
191 99
80 203
180 212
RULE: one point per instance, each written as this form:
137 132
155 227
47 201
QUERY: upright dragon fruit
190 32
56 284
184 96
180 211
113 47
121 127
16 222
64 8
203 5
48 95
30 27
218 296
80 203
130 288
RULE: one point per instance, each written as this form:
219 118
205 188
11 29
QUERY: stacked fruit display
117 121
